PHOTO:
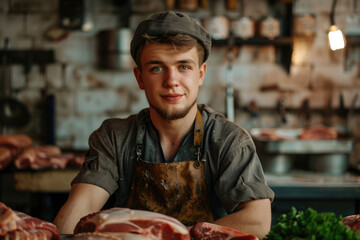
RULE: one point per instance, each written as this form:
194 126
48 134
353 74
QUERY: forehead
165 51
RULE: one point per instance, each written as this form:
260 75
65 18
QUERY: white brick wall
85 95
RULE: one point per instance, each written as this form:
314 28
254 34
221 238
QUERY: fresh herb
310 225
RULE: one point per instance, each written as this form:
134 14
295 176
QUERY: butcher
177 157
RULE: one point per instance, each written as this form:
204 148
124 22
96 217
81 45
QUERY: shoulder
221 129
115 126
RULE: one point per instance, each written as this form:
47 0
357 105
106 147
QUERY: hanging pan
13 113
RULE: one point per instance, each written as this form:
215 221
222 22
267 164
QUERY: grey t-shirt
233 171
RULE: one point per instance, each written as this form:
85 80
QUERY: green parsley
310 225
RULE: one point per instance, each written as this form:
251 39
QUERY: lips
172 97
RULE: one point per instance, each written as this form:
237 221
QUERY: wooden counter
45 180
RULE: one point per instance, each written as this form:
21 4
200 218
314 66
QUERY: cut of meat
77 161
15 141
36 157
109 236
5 157
318 132
123 220
208 231
352 221
18 225
32 234
11 146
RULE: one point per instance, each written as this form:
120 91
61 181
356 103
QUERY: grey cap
170 23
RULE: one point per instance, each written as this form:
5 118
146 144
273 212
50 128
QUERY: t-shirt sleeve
241 177
100 166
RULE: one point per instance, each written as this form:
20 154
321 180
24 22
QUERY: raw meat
5 157
76 161
37 157
18 225
123 220
318 132
15 141
208 231
353 221
32 234
11 146
109 236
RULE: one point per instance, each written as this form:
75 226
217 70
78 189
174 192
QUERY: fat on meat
18 225
11 146
36 157
15 140
146 224
318 132
209 231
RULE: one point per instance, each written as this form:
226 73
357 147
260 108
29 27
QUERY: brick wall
86 95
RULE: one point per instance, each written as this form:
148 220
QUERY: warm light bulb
336 38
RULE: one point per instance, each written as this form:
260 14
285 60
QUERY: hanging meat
18 225
140 223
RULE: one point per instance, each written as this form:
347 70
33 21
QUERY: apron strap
198 136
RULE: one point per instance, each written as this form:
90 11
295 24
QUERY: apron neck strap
198 136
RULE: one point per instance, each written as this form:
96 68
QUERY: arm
83 199
253 217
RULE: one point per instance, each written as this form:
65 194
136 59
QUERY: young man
175 157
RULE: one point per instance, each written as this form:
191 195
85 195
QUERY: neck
172 132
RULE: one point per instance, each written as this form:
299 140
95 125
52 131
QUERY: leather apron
176 189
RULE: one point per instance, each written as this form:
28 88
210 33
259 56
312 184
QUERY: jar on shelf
217 26
270 27
188 5
243 27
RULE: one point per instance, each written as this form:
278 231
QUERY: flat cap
170 23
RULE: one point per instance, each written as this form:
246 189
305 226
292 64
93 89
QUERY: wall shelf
283 47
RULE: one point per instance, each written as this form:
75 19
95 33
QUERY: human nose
171 78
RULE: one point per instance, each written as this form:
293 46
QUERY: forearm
253 218
83 199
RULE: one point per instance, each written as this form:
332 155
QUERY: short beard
173 115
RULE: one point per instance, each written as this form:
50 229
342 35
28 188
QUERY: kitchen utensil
113 49
13 113
329 164
277 164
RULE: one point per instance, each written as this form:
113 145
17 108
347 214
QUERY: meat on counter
18 225
19 150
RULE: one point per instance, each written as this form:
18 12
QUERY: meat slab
146 224
209 231
11 146
352 221
16 225
318 132
109 236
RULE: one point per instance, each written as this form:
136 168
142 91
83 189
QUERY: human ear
138 76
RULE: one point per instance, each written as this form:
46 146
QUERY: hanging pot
113 49
13 113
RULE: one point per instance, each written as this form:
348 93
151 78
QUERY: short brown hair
176 40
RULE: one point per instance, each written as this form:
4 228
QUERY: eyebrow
152 62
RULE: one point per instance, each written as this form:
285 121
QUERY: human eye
184 67
156 69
